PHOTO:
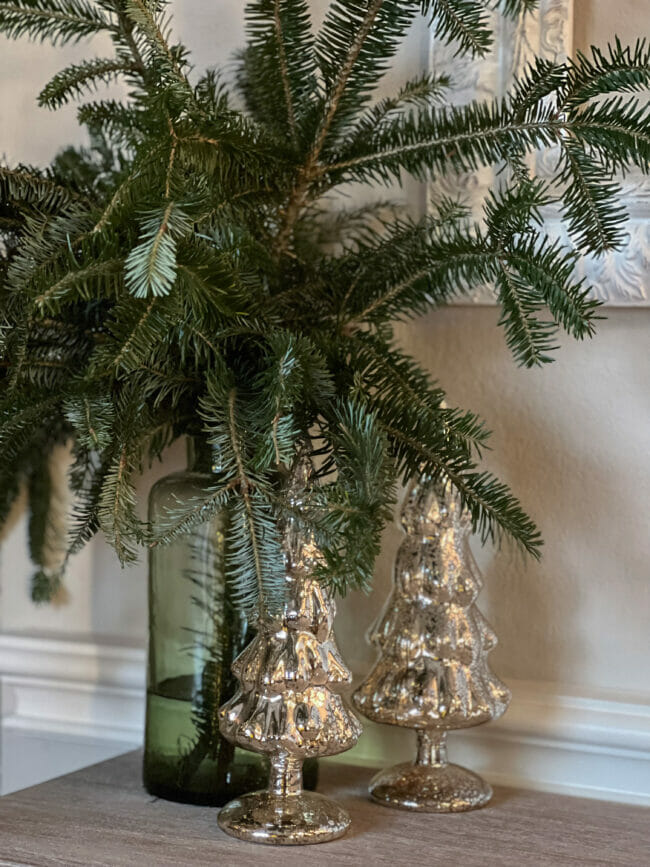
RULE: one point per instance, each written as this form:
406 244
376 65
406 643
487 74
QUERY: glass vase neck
202 457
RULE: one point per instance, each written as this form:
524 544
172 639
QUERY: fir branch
88 474
91 418
342 48
347 515
462 20
622 69
28 185
462 138
592 204
116 510
72 81
279 58
151 267
493 508
517 8
190 512
252 514
82 283
59 21
145 16
527 336
137 344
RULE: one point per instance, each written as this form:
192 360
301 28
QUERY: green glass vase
195 632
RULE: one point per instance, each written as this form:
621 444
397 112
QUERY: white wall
573 440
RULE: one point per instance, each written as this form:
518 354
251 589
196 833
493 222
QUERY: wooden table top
102 816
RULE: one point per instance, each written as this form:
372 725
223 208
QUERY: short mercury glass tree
432 673
286 706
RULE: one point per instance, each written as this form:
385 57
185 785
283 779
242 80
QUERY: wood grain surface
102 816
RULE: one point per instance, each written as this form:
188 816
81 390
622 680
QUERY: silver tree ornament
287 704
432 673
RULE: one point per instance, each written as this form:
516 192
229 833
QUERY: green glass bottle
195 632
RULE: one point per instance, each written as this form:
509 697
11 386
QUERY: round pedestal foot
289 820
430 788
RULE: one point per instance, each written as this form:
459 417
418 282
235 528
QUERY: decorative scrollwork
621 277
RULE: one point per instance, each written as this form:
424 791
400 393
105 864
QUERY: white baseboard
75 688
550 738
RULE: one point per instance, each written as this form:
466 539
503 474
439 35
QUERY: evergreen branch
82 283
461 20
137 335
142 13
493 508
190 512
117 200
347 515
591 202
463 138
284 69
125 31
60 21
349 23
340 82
116 512
621 69
91 417
151 267
253 547
32 187
252 512
517 8
426 89
72 81
123 124
550 269
19 419
527 336
88 476
397 384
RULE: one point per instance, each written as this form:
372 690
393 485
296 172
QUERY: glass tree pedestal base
430 789
430 784
284 815
284 820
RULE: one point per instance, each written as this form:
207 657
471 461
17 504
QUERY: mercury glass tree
432 673
287 706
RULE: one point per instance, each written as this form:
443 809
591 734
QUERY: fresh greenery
186 274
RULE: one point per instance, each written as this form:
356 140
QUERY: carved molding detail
618 279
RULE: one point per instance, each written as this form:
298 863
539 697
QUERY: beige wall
596 21
573 439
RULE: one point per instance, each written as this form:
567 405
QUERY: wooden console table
102 816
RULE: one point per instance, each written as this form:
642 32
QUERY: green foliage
151 266
279 60
58 21
71 82
187 273
464 21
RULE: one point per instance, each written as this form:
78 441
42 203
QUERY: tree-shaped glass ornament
287 706
432 673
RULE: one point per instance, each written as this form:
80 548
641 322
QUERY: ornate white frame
619 279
